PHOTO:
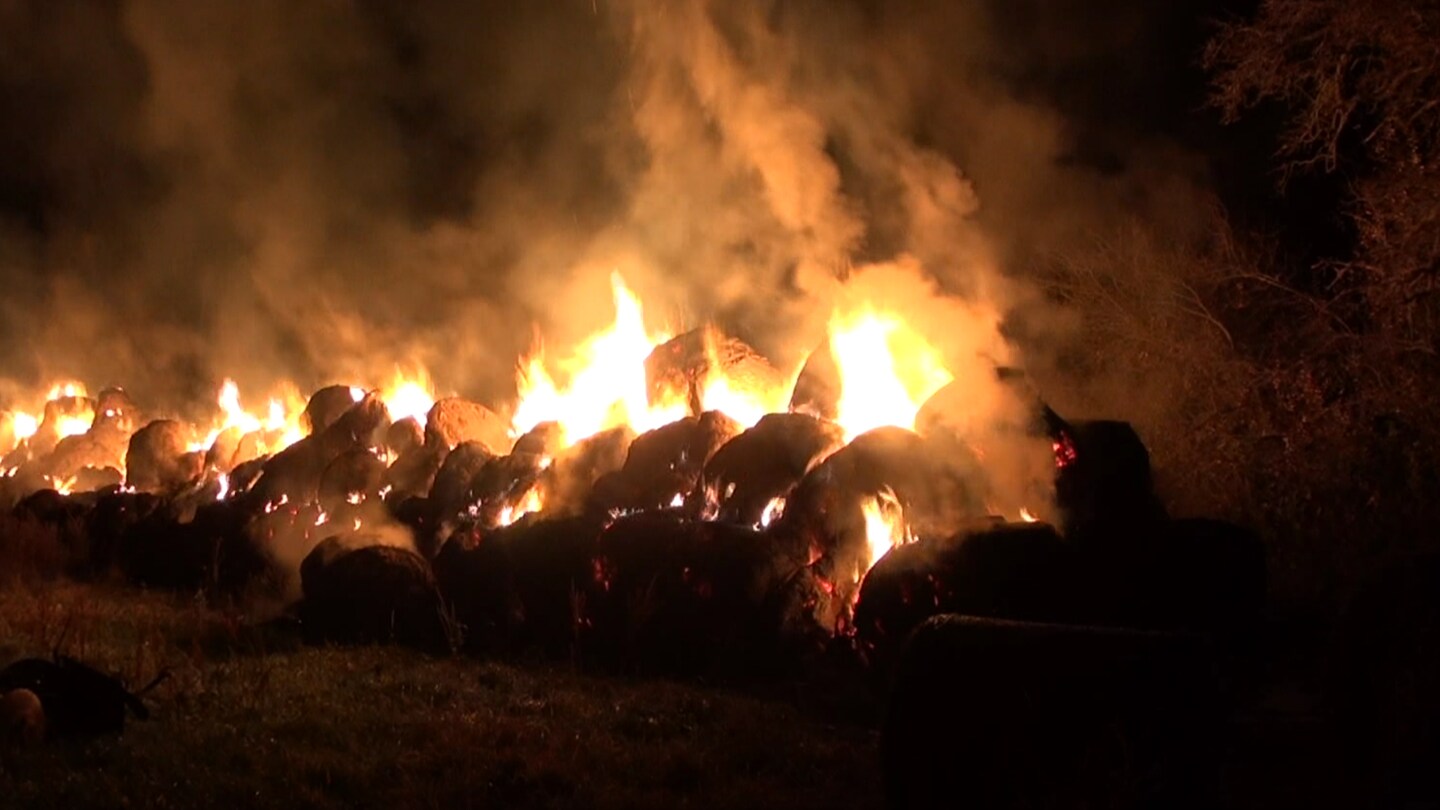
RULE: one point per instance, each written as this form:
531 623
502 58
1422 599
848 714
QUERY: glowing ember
1026 516
884 526
774 509
887 370
604 380
61 485
224 480
408 397
677 501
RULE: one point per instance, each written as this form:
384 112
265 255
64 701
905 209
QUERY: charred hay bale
371 594
521 586
1106 494
665 464
685 597
766 462
353 476
817 389
476 577
566 485
326 406
413 473
363 425
501 486
1020 571
452 483
417 515
678 369
108 521
1386 667
93 479
211 551
77 699
291 475
158 459
452 421
404 436
1000 714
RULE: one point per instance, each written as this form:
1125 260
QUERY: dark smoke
321 190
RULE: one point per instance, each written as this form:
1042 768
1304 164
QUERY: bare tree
1360 84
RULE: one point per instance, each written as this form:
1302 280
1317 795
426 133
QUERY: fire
24 425
279 428
887 370
1026 516
61 390
412 396
884 526
604 380
774 509
529 502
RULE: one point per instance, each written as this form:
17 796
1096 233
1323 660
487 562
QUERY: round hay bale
325 406
22 718
766 462
158 459
678 369
452 421
371 594
353 476
817 389
413 473
452 483
404 436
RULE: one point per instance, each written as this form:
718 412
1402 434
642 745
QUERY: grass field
249 717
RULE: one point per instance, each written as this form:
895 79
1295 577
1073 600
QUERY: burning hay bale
361 591
326 406
765 462
683 596
679 369
1021 571
663 466
522 585
354 475
576 481
452 421
64 416
498 493
999 714
158 458
413 473
449 494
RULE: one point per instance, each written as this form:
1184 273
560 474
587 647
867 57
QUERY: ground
250 718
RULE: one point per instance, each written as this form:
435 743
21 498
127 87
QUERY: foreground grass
249 718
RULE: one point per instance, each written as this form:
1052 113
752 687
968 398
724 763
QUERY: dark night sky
307 190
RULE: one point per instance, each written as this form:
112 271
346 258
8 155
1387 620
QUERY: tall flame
887 370
604 379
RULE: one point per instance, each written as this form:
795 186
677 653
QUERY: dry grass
250 718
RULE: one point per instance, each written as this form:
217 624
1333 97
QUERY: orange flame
887 370
605 380
409 396
530 502
884 527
